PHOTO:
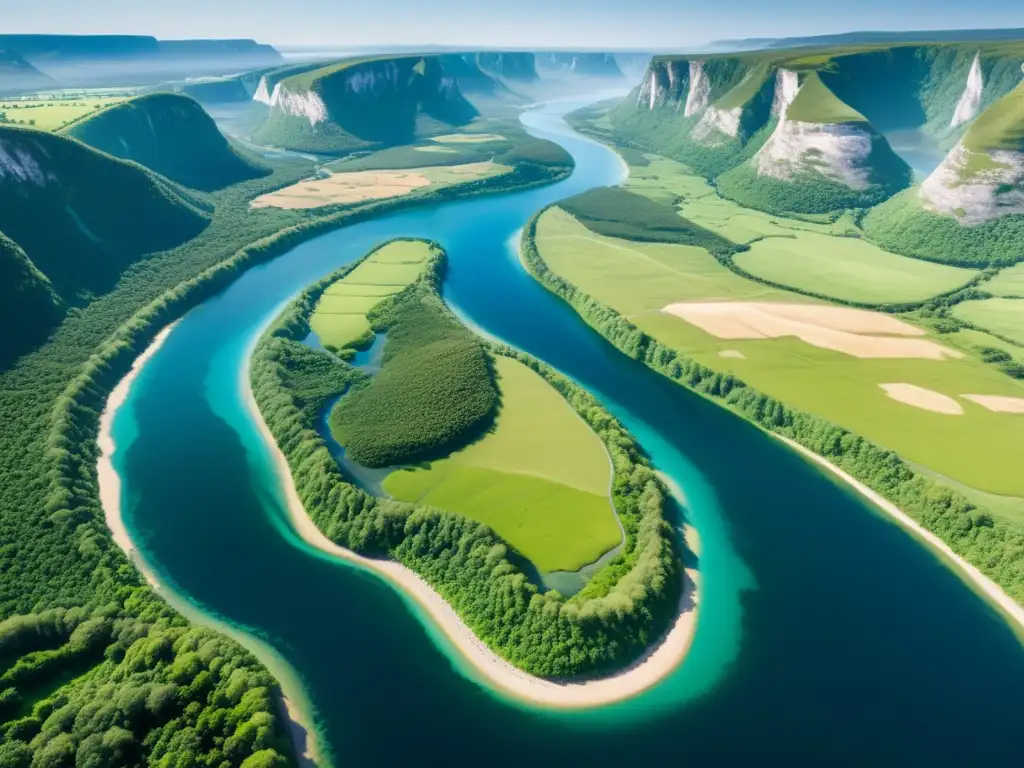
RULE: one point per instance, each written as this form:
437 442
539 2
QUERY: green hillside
816 103
27 301
172 135
80 215
364 103
1001 126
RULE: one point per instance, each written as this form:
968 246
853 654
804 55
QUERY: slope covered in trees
26 300
78 217
172 135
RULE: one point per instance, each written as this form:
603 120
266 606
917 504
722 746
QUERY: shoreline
657 663
991 592
298 724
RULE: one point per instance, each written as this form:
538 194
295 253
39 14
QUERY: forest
627 606
992 544
435 393
56 553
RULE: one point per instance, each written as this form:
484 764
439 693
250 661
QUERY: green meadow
849 269
1008 282
638 279
1003 317
539 478
339 319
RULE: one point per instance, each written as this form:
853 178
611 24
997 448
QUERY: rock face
970 101
353 105
700 90
578 63
976 195
838 152
517 66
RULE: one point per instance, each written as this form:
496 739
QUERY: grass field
849 269
339 320
1009 282
539 478
1004 317
667 181
815 103
49 115
980 448
641 277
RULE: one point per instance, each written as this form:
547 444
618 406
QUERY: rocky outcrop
976 188
970 101
839 152
699 92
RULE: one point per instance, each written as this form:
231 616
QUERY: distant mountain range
867 38
130 59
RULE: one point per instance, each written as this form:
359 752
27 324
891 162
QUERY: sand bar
856 332
298 721
926 399
998 403
468 138
656 664
992 591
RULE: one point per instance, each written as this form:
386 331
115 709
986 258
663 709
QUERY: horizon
646 25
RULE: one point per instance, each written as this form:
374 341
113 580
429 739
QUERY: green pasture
636 277
980 448
849 269
1004 317
339 319
1008 282
540 477
50 114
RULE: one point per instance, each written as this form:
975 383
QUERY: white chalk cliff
977 196
17 164
700 90
307 104
837 151
970 100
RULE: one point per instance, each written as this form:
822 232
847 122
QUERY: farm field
339 319
1004 317
539 478
639 280
1009 282
849 269
50 114
361 186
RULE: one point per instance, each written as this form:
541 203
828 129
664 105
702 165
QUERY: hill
170 134
364 103
971 208
864 38
82 216
472 79
708 111
17 75
27 301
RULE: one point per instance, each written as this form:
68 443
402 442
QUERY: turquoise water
826 634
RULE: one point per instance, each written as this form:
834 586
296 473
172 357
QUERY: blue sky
650 24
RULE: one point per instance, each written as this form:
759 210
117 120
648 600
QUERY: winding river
827 635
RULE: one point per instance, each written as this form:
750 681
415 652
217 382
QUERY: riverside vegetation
991 543
95 666
623 609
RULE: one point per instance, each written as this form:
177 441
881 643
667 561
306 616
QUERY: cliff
364 104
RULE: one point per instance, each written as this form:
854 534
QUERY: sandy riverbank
659 662
299 723
1006 604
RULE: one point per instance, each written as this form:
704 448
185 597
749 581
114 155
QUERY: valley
553 405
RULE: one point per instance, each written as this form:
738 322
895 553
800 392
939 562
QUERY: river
827 635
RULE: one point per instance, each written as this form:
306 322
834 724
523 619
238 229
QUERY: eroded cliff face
976 189
579 63
666 83
836 151
970 101
517 66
